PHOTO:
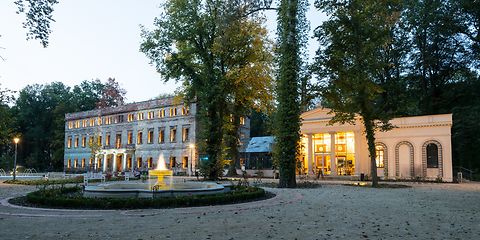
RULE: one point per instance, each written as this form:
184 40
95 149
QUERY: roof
131 107
260 144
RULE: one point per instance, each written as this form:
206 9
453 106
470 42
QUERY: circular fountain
160 184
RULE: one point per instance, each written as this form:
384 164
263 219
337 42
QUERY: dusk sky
92 39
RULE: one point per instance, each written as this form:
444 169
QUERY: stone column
105 162
124 162
190 158
333 162
358 138
114 165
310 152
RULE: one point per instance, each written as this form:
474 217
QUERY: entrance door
322 163
118 163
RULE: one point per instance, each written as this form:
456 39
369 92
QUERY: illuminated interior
344 149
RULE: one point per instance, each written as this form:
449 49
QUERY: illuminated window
75 162
84 123
130 117
150 136
108 120
69 142
77 124
118 140
92 122
242 121
185 134
90 162
70 125
69 163
185 110
161 135
379 152
151 115
99 121
76 142
185 162
83 163
139 137
173 111
173 162
107 139
129 162
140 116
84 141
99 140
139 162
150 162
130 137
173 134
161 113
90 141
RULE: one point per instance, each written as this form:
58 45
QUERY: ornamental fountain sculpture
160 173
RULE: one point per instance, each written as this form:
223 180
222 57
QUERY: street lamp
15 140
190 163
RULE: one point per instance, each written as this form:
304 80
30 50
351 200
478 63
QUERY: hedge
71 197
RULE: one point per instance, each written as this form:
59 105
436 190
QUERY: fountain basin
142 190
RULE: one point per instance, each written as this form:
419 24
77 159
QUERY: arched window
432 155
380 153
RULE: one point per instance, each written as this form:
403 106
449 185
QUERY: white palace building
416 148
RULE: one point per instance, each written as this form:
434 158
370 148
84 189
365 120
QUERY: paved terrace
426 211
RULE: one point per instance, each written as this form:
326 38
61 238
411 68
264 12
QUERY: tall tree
291 23
195 43
351 62
112 94
437 51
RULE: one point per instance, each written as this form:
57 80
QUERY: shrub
71 197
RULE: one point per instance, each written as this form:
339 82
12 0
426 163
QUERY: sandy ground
426 211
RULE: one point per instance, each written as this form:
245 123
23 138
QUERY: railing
465 173
119 146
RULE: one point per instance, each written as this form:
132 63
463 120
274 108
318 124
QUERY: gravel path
426 211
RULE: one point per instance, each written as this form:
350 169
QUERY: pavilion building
417 147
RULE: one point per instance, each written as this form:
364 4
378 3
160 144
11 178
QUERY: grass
72 198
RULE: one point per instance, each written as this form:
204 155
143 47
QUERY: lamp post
190 163
15 140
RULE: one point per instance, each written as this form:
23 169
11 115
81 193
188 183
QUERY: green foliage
223 60
38 14
291 25
355 60
72 198
40 117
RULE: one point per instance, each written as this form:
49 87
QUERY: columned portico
310 155
332 154
104 163
124 162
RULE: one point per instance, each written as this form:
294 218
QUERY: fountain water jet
161 172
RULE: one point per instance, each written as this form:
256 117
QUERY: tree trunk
370 135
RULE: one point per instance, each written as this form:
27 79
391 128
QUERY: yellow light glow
16 140
192 145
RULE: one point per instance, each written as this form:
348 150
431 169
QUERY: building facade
416 148
135 136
